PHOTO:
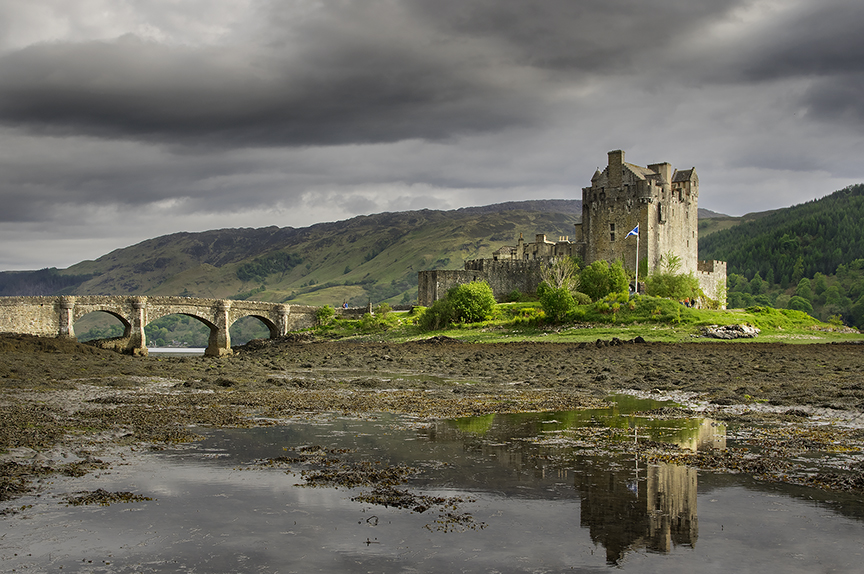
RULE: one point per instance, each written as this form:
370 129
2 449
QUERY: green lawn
652 319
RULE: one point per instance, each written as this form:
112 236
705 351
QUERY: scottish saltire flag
634 231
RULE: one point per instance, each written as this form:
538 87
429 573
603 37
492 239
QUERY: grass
653 319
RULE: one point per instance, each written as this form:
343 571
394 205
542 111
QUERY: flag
634 231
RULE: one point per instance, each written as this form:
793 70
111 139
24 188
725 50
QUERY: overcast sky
121 121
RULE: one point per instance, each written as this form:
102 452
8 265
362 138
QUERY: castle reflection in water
624 505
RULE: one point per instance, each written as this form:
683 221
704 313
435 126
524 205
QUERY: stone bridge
56 316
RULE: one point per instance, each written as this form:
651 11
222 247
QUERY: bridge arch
124 322
56 316
205 325
272 327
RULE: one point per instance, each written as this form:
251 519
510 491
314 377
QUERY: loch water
526 495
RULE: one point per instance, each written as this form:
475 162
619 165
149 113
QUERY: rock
730 332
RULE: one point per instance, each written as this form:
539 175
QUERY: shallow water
540 497
176 351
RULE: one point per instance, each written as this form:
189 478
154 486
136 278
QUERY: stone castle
662 202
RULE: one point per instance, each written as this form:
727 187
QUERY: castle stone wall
503 277
507 276
434 284
712 280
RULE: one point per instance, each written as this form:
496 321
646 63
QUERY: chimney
665 171
616 166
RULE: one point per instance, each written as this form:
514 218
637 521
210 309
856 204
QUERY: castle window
611 232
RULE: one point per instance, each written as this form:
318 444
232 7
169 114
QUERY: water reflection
559 492
623 506
624 511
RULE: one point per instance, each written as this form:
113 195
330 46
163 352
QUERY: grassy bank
651 318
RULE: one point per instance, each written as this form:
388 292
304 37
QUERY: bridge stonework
56 316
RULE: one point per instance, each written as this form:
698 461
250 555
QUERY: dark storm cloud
840 101
824 39
825 45
122 120
357 72
572 37
820 42
356 92
384 71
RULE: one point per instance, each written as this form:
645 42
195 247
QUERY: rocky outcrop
730 332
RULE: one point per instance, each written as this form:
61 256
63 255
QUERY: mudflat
70 403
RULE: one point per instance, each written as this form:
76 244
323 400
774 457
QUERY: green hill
365 258
710 224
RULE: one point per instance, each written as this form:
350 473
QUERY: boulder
730 332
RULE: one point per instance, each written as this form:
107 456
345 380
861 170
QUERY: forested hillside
814 237
809 257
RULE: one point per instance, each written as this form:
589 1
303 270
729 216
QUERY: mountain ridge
372 257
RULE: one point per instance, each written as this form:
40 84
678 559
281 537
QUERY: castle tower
661 202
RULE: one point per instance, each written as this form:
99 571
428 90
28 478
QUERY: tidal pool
521 493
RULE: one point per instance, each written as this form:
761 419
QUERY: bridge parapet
55 316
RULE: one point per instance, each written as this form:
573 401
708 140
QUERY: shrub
471 302
467 303
666 282
557 302
324 315
516 296
673 286
581 298
382 319
437 316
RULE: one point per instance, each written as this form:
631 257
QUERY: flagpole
636 288
635 231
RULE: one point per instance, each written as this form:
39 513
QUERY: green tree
804 290
820 283
600 279
857 313
757 285
798 270
467 303
437 316
799 303
668 283
563 273
557 302
324 315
